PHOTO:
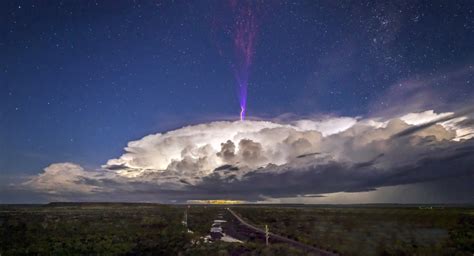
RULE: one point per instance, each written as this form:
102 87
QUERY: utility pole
267 235
185 221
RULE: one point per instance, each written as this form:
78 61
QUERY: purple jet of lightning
241 26
245 30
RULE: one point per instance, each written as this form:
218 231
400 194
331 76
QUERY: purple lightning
242 30
242 113
245 30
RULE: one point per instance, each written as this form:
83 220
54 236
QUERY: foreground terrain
152 229
372 230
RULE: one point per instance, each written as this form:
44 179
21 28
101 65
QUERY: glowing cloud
254 159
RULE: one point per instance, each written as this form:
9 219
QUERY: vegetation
116 229
370 230
151 229
92 229
200 218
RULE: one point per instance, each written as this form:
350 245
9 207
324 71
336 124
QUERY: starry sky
80 79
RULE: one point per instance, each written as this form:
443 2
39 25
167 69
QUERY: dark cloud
227 151
227 167
309 154
335 177
251 152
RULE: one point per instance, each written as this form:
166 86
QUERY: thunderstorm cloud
255 160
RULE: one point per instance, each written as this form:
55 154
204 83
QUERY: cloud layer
254 160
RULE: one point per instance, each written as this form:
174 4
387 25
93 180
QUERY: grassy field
152 229
97 228
372 230
116 229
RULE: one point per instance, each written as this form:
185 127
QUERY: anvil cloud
251 160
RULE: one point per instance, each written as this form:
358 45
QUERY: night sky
80 79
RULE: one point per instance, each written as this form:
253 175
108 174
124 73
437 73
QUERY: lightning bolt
242 113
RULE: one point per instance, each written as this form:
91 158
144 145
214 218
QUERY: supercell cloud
254 160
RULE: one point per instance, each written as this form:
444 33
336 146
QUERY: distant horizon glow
216 201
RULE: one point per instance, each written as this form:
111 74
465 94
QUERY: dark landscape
154 229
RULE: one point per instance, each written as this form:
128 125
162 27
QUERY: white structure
267 234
